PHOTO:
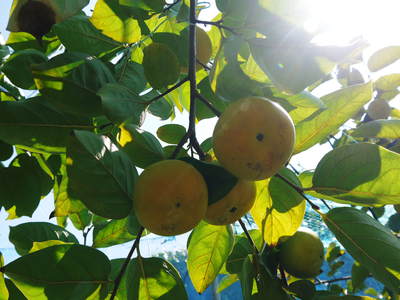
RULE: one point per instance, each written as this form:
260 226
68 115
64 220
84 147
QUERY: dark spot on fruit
177 204
260 137
36 18
233 209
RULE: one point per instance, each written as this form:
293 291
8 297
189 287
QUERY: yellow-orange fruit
203 49
254 138
234 205
170 198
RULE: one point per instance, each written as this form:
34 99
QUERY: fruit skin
302 254
379 109
203 49
161 65
170 197
253 138
234 205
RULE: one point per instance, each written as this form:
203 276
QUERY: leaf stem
299 190
217 24
283 276
333 280
121 273
246 232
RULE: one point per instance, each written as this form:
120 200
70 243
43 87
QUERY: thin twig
168 90
217 24
121 273
208 104
283 276
246 232
299 190
373 213
333 280
85 234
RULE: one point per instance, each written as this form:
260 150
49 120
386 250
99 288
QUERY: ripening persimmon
203 49
234 205
253 138
170 198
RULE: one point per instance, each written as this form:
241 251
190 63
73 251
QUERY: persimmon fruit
234 205
302 254
253 138
170 197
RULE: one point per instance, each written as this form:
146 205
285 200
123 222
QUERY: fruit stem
299 190
246 232
121 273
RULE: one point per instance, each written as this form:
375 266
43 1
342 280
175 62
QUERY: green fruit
379 109
302 254
161 66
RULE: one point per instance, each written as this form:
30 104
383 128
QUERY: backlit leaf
371 174
208 250
377 249
384 129
383 57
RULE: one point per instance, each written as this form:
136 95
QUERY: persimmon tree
74 93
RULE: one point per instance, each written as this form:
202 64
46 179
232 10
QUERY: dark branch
121 273
217 24
168 90
333 280
208 104
246 232
283 276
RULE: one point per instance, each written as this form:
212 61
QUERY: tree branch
168 90
208 104
333 280
299 190
217 24
246 232
121 273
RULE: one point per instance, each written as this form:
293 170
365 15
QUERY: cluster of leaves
78 134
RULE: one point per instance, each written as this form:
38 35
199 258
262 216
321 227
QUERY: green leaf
153 5
171 133
18 67
242 249
35 125
115 21
41 245
142 147
154 278
76 93
358 276
278 210
305 104
383 58
371 175
121 104
3 288
19 190
101 179
394 223
24 235
202 111
6 151
341 105
219 181
226 282
304 289
81 219
131 75
14 292
208 249
78 34
115 232
384 129
60 272
369 242
387 83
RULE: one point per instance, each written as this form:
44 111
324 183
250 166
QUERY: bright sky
375 20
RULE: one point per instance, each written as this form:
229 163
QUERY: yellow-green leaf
279 209
383 57
208 250
384 129
341 105
115 22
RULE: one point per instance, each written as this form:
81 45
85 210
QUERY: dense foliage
74 93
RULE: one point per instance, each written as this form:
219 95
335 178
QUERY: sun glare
340 21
